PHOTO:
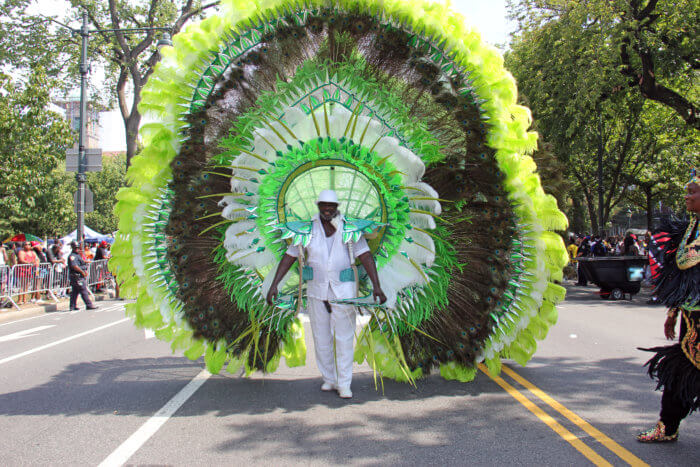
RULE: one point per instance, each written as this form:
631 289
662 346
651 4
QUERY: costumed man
676 368
77 274
332 324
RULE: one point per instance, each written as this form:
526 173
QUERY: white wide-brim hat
327 196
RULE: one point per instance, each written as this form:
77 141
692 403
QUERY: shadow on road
589 295
286 418
126 386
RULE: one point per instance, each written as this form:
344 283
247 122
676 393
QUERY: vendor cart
615 275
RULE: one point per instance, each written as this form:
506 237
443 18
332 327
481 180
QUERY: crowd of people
580 246
597 245
42 258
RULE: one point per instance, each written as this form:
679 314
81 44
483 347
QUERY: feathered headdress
409 117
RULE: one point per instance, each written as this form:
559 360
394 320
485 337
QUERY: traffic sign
93 158
89 200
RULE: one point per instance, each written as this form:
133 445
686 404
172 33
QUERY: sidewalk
32 309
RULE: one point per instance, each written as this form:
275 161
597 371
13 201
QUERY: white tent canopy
90 236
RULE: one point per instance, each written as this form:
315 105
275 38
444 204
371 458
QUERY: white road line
56 314
148 429
113 307
61 341
25 333
26 319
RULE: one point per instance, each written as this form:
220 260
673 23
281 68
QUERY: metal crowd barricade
51 279
6 286
28 279
60 282
99 275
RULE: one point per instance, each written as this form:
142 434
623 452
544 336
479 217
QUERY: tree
565 61
659 47
671 147
104 185
35 194
129 59
656 43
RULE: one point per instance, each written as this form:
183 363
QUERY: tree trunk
592 213
131 124
578 221
650 205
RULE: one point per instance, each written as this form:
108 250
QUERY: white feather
236 230
301 124
262 148
375 130
424 221
234 210
338 120
422 249
402 158
423 190
396 275
251 258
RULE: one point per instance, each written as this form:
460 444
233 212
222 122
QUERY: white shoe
40 302
33 300
328 387
345 393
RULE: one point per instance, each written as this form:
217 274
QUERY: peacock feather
409 117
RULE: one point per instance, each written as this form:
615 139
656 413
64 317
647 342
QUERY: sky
487 16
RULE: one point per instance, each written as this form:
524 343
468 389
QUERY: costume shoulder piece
674 257
401 109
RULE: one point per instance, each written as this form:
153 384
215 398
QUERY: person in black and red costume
675 263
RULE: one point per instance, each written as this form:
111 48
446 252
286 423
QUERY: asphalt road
88 387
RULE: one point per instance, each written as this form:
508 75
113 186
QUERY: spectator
27 274
42 276
102 251
55 257
584 250
598 247
572 249
619 246
3 255
39 251
630 247
87 254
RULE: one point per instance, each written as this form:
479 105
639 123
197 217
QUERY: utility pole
81 177
600 173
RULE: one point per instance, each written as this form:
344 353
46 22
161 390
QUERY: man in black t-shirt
102 252
78 272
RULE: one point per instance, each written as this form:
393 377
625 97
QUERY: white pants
335 364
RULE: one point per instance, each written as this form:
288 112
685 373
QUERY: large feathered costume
409 117
675 260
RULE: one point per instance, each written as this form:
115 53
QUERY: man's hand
271 294
670 328
85 274
379 295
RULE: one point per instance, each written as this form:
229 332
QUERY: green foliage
35 195
127 58
566 58
653 44
104 185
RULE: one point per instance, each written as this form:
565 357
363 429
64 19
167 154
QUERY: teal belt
346 275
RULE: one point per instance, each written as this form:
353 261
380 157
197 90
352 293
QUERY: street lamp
629 218
81 176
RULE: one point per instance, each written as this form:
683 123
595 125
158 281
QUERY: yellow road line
566 435
621 452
